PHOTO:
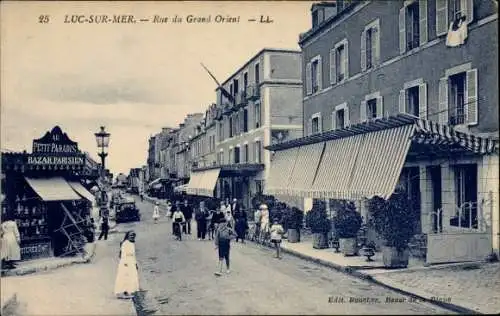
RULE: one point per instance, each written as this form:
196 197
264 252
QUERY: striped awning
82 191
53 189
203 182
279 175
304 170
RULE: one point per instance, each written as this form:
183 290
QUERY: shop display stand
71 228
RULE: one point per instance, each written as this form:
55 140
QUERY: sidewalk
80 289
464 287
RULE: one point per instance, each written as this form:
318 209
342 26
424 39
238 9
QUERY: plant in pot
394 219
347 224
294 218
317 220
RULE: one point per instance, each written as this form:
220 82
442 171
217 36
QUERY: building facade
260 105
413 73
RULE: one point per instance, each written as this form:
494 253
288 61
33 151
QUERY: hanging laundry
457 32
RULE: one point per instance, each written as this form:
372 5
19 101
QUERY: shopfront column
426 202
448 194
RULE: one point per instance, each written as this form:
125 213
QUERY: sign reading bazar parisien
55 148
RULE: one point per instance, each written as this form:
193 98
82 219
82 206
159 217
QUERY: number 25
43 19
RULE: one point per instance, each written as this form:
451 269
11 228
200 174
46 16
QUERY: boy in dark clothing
104 228
188 215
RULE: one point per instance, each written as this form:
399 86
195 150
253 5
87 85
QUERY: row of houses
382 94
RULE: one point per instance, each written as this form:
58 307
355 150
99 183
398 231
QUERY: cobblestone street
178 278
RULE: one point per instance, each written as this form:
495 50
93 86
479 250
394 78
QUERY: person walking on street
241 224
156 212
277 232
217 218
201 221
169 209
223 238
104 228
188 215
177 221
257 215
127 277
264 222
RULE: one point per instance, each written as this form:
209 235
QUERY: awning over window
53 189
80 189
203 182
304 169
282 165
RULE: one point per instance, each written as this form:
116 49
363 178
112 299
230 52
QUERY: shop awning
53 189
282 164
203 182
155 181
80 189
363 160
180 188
194 181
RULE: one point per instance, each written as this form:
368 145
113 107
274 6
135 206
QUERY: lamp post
102 138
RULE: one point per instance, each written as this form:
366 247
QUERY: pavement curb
349 270
47 267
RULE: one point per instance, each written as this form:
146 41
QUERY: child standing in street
223 238
156 212
276 234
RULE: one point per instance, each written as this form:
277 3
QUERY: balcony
457 119
253 92
241 98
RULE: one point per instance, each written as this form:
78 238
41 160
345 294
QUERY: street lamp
102 139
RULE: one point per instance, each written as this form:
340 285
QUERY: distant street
178 278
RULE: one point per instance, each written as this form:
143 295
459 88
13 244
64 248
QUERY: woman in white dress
264 222
11 251
156 212
127 277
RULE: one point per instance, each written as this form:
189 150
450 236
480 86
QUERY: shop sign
36 250
55 142
56 160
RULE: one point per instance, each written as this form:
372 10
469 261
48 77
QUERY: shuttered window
316 124
458 101
412 25
370 46
339 62
413 99
340 116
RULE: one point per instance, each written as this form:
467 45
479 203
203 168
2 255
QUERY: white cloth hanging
457 37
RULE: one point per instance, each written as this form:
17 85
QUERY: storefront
45 194
448 175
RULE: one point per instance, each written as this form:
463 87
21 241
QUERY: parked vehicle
126 210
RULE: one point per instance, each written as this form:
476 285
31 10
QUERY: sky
132 78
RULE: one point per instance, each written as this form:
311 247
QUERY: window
370 46
231 127
318 16
371 109
465 196
220 158
236 87
257 75
257 115
258 151
259 186
340 117
313 75
237 155
412 25
236 124
221 131
448 10
315 125
245 120
457 99
245 81
339 62
413 99
245 153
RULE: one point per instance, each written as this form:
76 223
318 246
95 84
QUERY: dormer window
318 16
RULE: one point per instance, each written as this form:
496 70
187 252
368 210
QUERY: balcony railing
253 92
241 98
457 119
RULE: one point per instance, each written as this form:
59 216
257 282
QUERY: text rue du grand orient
156 19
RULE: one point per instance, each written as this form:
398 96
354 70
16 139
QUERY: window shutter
422 6
334 121
320 74
380 107
362 111
308 78
376 44
333 69
346 59
309 126
443 100
402 30
363 51
402 101
471 97
467 7
422 97
347 122
320 124
441 17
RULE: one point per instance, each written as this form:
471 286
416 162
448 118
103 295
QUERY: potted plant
394 219
317 220
294 218
347 224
